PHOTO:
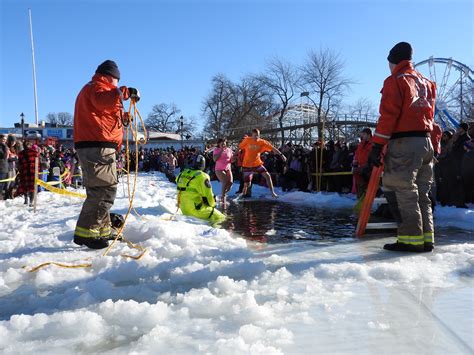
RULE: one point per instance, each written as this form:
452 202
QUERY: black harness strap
212 212
194 176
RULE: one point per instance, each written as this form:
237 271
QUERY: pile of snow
462 218
319 200
200 290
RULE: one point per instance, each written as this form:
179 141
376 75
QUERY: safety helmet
199 163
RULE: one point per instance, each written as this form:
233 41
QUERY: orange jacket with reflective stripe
362 152
407 104
98 115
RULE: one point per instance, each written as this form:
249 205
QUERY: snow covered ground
200 290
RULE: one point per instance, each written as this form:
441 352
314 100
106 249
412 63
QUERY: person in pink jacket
223 155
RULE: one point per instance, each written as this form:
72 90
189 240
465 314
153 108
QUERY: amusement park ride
454 90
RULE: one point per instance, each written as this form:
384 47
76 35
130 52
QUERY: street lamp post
181 126
22 121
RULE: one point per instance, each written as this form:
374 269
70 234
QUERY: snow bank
319 200
455 217
199 290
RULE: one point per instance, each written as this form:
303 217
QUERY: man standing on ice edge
98 132
253 147
406 120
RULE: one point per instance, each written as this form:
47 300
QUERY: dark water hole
275 222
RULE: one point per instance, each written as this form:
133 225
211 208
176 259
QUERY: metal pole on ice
34 67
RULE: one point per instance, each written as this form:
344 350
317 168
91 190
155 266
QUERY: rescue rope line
66 266
131 196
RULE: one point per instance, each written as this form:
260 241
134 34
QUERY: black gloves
126 119
134 94
375 156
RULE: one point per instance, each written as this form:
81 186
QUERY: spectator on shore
455 194
12 166
26 170
3 165
360 164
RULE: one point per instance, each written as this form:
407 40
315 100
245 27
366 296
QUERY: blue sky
171 49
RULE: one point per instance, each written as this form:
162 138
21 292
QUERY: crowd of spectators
17 163
454 167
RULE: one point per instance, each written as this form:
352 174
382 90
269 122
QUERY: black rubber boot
404 247
92 243
113 235
429 246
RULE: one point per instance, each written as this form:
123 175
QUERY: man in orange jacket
406 120
98 133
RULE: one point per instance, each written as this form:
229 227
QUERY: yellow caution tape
333 174
64 174
10 179
59 191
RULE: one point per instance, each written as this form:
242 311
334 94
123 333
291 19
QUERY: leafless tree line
60 118
262 99
168 118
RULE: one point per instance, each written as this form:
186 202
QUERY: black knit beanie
109 67
401 51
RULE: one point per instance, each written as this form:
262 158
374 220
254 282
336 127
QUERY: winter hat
109 67
367 130
464 126
401 51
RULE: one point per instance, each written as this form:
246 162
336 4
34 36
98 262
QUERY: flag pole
34 67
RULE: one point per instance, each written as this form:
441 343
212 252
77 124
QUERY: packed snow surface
199 289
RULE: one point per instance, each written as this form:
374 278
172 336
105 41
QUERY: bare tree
216 106
461 101
52 118
60 118
250 106
188 128
163 118
231 109
279 80
323 74
362 109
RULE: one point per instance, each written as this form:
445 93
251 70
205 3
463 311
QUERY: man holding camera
99 118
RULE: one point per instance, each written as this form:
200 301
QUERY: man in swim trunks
253 147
